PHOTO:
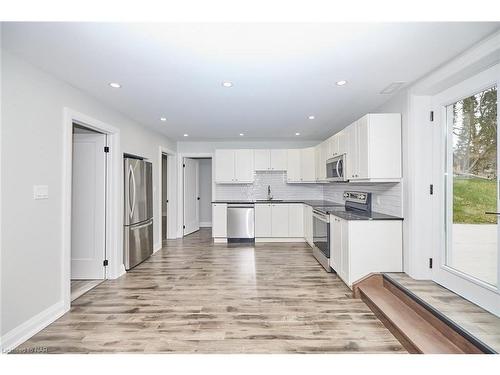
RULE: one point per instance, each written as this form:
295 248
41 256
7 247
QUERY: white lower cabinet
263 220
360 247
219 220
336 247
296 220
279 220
308 224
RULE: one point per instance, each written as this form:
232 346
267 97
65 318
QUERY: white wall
415 104
32 152
205 192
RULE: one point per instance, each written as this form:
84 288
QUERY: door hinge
431 117
105 263
431 189
106 149
430 262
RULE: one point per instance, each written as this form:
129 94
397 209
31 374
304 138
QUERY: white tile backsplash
386 197
279 188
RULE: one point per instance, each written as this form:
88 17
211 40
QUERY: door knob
198 198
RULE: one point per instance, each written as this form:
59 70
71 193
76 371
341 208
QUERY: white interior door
191 196
164 197
88 225
466 201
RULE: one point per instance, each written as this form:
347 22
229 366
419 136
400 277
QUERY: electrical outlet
40 192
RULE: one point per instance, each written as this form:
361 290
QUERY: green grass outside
471 198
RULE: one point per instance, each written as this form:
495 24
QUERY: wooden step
415 333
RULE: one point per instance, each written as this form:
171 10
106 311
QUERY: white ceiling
282 73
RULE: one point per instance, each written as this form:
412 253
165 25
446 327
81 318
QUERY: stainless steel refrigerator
138 221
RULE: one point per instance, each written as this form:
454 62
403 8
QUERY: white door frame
114 208
475 290
171 167
180 185
185 227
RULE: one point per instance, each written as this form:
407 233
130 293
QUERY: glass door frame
483 294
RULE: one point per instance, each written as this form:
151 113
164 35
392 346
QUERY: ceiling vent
392 88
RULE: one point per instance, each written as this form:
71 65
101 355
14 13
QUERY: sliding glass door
467 196
472 185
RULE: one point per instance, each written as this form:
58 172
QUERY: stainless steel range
321 238
355 202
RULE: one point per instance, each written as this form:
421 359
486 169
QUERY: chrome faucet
269 196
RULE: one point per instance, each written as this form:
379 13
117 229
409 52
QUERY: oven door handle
321 217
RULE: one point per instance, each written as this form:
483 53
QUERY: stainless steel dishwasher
240 222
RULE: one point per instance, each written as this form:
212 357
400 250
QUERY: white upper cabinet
270 160
293 165
244 169
321 157
301 165
224 166
336 144
278 160
262 160
341 142
234 166
374 148
308 166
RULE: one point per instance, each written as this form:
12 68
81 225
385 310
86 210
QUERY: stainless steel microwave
335 168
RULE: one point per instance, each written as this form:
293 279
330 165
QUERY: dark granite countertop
327 207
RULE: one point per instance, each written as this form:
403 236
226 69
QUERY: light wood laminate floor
194 296
477 321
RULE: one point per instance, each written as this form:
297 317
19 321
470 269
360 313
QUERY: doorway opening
197 194
164 197
88 209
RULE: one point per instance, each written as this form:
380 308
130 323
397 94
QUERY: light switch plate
40 192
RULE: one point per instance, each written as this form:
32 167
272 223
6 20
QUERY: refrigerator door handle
148 223
131 177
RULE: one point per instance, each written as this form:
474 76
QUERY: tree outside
475 158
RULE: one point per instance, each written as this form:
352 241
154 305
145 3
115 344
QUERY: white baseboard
280 239
123 271
206 224
23 332
157 247
220 240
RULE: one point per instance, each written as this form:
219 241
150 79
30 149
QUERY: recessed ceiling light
115 85
297 133
163 119
186 135
241 134
341 82
311 117
227 84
